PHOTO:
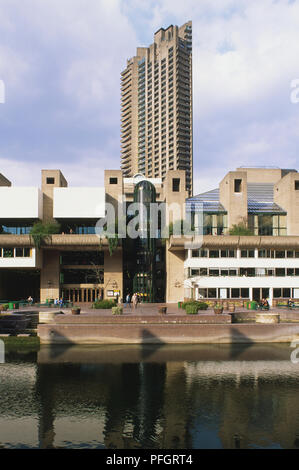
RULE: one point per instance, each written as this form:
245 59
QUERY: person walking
128 301
135 301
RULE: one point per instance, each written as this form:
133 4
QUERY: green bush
117 310
198 304
104 304
191 309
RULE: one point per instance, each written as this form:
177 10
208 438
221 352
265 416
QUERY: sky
60 62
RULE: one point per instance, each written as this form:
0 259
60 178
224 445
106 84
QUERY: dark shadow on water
239 343
150 344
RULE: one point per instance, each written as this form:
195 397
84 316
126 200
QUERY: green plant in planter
218 308
191 309
104 304
198 304
117 310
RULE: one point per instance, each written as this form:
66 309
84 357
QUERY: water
150 397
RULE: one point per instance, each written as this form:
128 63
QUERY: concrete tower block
233 196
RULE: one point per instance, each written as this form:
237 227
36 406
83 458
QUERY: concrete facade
217 266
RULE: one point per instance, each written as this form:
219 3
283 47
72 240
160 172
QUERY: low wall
165 333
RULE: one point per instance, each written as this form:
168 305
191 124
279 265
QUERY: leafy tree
240 229
42 231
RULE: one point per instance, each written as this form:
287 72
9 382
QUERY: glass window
214 272
8 252
280 272
214 253
245 293
203 272
203 253
279 254
212 293
235 293
194 272
224 272
276 292
19 253
286 292
195 253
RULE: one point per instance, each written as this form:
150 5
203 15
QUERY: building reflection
124 399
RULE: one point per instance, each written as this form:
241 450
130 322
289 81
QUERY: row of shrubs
104 304
193 306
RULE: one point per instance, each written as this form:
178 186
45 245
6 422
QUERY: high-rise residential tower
156 107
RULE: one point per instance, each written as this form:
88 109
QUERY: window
212 293
195 253
214 254
247 253
214 272
224 272
50 180
8 253
203 253
280 272
176 185
203 272
245 293
286 292
238 186
279 254
276 292
297 185
113 180
194 272
235 293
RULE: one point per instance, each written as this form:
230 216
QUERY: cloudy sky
61 60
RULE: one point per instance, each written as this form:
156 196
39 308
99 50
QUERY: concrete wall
78 203
286 196
234 202
20 203
50 275
47 190
174 275
113 272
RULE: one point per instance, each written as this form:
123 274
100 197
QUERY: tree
42 231
240 229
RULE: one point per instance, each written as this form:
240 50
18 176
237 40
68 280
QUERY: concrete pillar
271 296
50 275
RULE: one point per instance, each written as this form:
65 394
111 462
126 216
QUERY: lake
150 397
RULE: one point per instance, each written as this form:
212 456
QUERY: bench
285 305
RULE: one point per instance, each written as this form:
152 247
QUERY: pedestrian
128 301
135 301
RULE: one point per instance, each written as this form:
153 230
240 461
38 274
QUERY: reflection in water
170 397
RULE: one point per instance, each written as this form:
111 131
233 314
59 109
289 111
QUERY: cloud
61 63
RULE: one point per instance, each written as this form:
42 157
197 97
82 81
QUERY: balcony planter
76 310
